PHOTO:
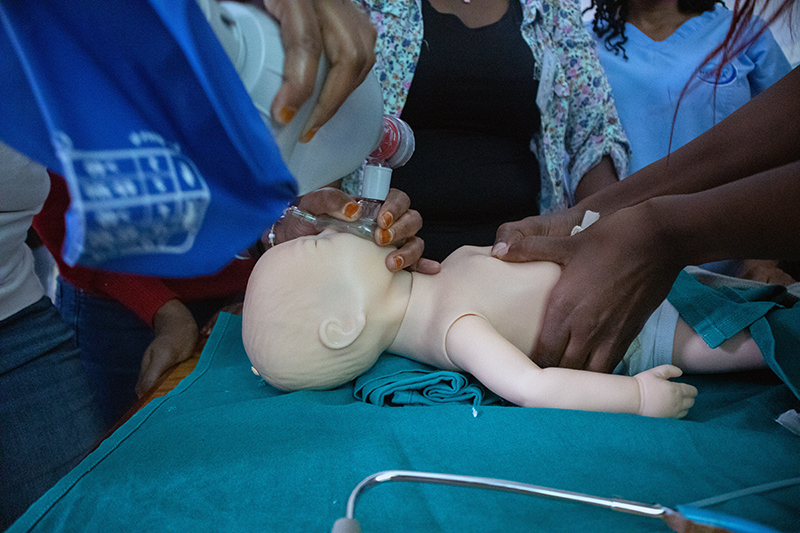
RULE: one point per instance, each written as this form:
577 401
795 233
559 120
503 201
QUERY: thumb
667 371
533 248
511 233
157 359
146 378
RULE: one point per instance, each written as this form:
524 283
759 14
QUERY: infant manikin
320 309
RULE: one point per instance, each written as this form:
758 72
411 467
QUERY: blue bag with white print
171 169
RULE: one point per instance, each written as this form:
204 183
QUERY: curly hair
611 15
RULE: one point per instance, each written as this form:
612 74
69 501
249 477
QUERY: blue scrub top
647 86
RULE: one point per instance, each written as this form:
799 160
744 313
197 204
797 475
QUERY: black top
472 106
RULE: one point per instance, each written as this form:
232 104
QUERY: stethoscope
690 517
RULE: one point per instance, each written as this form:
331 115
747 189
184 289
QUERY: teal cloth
226 452
394 381
717 310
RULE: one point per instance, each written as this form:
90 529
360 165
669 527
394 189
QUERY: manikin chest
510 296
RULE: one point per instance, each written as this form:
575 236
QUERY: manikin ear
338 333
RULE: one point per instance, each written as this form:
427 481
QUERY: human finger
159 358
569 334
302 46
146 379
508 234
402 229
511 234
324 201
534 248
330 201
394 206
349 42
406 256
575 353
396 222
426 266
551 342
598 341
605 357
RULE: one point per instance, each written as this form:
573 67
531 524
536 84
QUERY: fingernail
286 114
398 263
351 209
307 136
499 249
387 219
385 236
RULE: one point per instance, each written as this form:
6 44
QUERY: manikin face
341 240
304 299
337 251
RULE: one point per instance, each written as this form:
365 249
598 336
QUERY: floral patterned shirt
579 120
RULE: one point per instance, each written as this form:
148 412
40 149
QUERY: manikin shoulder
475 260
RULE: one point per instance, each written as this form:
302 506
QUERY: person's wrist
267 240
274 235
596 203
173 314
663 232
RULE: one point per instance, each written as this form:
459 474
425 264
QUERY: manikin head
315 310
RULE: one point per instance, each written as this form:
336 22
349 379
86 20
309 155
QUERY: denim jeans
112 340
48 417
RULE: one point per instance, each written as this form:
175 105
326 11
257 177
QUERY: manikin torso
510 296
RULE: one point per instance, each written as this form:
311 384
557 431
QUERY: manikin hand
614 275
661 397
176 337
398 225
307 27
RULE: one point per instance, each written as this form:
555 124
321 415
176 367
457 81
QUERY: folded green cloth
395 380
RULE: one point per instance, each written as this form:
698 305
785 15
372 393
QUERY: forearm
761 135
753 218
563 388
476 347
144 295
597 178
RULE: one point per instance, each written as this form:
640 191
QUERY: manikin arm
475 346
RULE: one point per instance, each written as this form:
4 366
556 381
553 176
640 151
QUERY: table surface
198 458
